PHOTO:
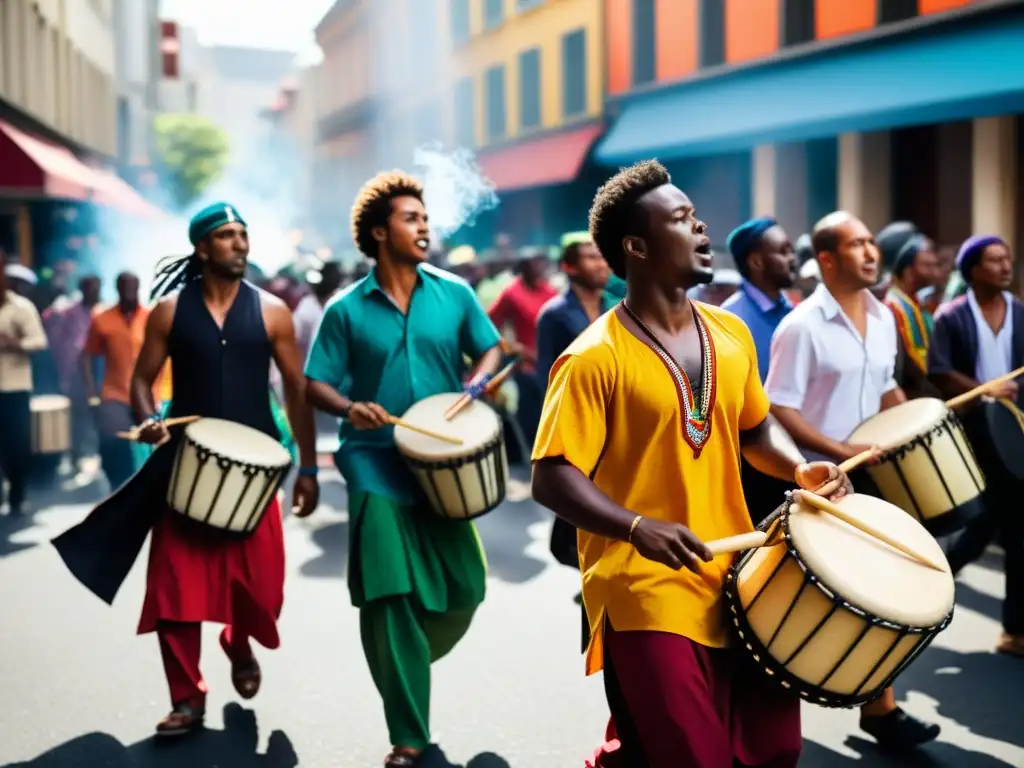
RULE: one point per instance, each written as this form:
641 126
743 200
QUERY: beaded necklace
697 424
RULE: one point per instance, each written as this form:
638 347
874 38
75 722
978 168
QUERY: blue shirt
560 321
366 346
762 316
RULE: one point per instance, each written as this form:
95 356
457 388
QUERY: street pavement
81 690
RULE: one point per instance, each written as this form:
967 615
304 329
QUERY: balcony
354 116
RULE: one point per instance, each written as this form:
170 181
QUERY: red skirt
197 575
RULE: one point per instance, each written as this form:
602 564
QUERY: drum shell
996 432
834 654
220 493
465 487
51 424
935 477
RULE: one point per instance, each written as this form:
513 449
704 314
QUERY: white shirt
19 318
995 350
821 366
307 316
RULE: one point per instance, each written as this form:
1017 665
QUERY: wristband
475 389
632 527
309 471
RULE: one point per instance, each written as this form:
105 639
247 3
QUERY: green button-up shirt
368 350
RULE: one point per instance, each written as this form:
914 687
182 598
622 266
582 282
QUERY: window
712 32
465 132
494 12
574 73
529 88
523 5
460 21
423 21
643 42
798 21
896 10
494 100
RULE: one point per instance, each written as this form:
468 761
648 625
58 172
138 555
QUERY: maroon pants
180 645
678 704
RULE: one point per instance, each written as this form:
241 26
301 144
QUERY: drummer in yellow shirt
639 446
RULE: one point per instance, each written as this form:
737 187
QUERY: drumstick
824 505
861 458
436 435
133 433
492 385
731 544
981 389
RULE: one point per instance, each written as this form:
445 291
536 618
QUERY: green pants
401 642
417 580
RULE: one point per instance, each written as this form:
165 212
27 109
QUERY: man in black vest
220 334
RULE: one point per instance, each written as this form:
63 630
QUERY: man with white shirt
21 333
832 366
978 337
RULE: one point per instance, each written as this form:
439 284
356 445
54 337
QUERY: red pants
678 704
180 644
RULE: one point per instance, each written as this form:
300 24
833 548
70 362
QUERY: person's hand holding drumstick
824 478
368 416
153 431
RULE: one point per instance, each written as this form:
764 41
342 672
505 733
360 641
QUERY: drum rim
923 439
458 463
500 435
266 468
774 668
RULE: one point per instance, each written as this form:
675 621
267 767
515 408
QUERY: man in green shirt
391 339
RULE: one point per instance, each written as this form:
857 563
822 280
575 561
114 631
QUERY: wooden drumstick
731 544
491 387
133 433
981 389
861 458
824 505
429 433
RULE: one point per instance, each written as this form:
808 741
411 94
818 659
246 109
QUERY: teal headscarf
212 216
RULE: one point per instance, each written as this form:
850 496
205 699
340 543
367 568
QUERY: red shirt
519 306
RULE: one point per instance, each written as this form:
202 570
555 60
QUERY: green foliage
193 152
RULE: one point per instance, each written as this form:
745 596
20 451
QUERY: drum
226 474
928 468
835 614
51 424
460 481
1004 425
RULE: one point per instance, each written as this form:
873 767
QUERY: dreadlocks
173 273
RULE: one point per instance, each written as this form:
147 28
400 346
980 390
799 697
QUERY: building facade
891 109
137 40
526 84
58 126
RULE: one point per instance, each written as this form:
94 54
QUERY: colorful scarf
914 323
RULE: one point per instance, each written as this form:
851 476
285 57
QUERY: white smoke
454 188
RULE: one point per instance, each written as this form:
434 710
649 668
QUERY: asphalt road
80 689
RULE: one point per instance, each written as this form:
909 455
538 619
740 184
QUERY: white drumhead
237 441
476 425
899 425
49 403
868 573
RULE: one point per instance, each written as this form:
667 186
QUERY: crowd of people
654 422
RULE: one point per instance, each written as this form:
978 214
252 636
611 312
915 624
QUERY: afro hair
373 206
612 213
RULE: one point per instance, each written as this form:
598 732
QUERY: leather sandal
246 677
184 718
400 758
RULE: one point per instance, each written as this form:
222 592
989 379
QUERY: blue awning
968 67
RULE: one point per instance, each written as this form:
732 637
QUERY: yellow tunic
614 411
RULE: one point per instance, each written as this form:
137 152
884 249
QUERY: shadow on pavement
936 755
39 500
979 602
235 746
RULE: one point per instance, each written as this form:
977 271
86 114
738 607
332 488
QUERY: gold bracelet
632 527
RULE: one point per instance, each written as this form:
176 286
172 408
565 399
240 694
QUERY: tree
193 153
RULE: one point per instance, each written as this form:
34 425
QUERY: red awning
542 162
30 165
114 192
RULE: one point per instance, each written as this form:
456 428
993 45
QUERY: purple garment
67 329
954 342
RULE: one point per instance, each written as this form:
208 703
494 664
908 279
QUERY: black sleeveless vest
221 373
